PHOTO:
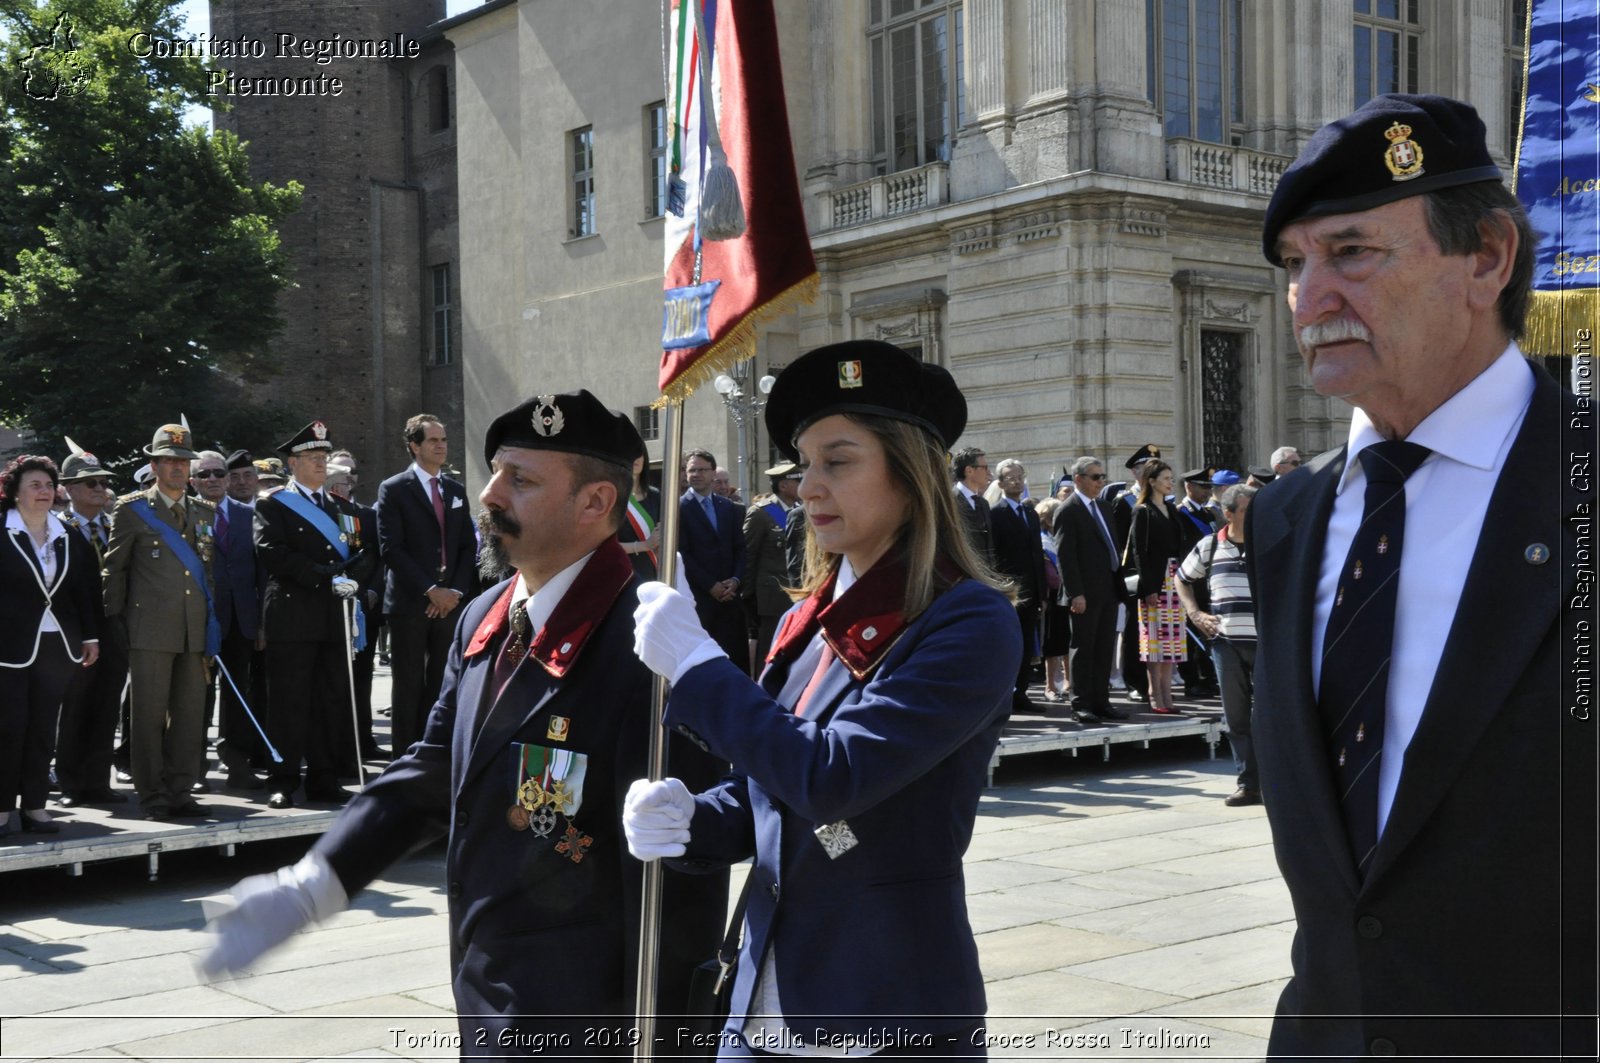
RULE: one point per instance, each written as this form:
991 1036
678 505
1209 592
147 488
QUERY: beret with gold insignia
574 422
1389 148
864 376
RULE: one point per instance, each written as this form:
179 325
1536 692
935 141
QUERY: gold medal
517 817
530 795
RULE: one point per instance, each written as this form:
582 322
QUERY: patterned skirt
1161 633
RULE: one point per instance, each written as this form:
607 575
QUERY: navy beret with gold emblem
313 436
574 422
864 376
1389 148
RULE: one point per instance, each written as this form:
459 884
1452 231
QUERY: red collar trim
861 624
576 616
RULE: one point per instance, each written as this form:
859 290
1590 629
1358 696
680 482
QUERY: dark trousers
30 703
724 622
1196 669
1094 640
238 744
418 648
1133 672
308 689
1236 665
1028 618
88 729
362 670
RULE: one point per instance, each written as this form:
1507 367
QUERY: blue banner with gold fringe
1558 173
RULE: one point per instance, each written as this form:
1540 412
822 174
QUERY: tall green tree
139 263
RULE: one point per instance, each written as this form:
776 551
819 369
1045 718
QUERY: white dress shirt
543 602
45 555
1447 499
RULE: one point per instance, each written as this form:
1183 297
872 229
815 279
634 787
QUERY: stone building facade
371 324
1059 200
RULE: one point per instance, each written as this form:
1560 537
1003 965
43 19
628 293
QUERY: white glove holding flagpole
263 911
655 818
667 635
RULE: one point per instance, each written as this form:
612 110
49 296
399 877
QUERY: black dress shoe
331 795
1109 714
101 795
157 810
190 810
279 799
39 826
1241 796
374 752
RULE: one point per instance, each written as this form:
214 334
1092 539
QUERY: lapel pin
1536 554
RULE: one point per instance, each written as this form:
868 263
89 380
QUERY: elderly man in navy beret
1431 804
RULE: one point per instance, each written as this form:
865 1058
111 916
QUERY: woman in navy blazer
859 756
48 594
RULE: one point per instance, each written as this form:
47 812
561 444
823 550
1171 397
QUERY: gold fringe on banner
740 344
1555 320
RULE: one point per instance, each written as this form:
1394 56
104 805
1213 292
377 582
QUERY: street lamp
743 407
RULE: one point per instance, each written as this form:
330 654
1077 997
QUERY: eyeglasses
1095 475
210 474
1290 461
94 483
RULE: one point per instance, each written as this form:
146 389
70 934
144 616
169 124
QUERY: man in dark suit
542 724
88 725
971 467
711 540
766 564
1091 587
1427 763
238 600
342 483
316 553
1019 554
425 531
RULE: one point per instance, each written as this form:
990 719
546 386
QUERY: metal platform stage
92 834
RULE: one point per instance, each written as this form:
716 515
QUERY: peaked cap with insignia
171 441
1148 452
1199 476
313 436
864 376
1388 149
573 422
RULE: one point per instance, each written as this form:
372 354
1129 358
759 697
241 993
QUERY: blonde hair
932 528
1047 512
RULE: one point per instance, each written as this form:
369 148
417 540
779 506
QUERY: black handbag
709 984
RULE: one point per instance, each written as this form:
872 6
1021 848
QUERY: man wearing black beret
542 722
1431 799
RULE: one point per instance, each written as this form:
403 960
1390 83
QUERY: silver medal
542 821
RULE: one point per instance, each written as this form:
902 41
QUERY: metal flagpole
667 570
347 609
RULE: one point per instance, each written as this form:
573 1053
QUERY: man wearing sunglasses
208 476
87 730
1091 587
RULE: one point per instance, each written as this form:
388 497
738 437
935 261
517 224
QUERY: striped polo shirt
1229 584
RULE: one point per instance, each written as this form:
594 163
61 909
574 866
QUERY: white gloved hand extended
345 587
655 818
667 635
263 911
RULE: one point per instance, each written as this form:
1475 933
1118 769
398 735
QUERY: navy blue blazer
710 556
408 538
237 581
73 597
536 927
1474 928
896 742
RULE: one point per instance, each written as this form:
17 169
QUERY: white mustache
1336 331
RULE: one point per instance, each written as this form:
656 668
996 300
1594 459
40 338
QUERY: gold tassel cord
1555 320
740 343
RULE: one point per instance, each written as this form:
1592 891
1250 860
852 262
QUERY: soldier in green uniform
156 584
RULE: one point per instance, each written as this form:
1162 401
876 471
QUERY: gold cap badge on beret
1404 157
850 374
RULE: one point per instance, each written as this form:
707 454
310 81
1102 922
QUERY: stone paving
1122 912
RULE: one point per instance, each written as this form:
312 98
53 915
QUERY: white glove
667 635
655 818
345 587
262 911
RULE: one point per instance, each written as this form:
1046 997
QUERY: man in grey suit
1427 764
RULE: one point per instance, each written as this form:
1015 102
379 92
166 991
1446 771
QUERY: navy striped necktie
1360 638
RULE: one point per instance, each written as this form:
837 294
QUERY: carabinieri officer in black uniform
316 553
859 757
542 722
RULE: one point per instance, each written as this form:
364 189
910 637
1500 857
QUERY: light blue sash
318 518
